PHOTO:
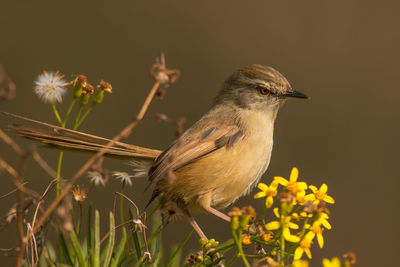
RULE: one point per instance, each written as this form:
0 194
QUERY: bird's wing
193 146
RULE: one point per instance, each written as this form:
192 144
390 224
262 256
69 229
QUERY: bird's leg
217 213
196 227
205 202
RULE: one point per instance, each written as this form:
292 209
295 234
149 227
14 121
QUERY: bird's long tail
66 139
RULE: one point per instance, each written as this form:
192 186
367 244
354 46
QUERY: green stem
84 115
77 117
56 113
234 258
78 224
282 259
238 241
152 212
59 163
223 248
152 236
121 204
264 211
64 122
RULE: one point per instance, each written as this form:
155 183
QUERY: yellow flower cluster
296 206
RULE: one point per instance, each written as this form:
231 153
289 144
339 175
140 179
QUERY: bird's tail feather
66 139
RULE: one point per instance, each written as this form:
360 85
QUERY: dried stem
7 139
36 156
19 183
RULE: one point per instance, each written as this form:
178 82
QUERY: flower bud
234 223
86 92
101 88
79 83
199 259
202 241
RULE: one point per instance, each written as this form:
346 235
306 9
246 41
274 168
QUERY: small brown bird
217 160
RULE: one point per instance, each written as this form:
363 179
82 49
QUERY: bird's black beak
296 94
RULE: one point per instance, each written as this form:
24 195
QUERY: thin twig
36 156
14 173
11 192
42 163
133 203
9 141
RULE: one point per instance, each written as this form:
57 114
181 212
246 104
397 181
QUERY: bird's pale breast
229 172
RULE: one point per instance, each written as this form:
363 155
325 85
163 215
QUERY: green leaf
68 253
120 249
135 238
96 246
175 258
90 239
111 241
48 256
77 248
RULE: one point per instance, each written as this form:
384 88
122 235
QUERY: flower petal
309 197
308 252
293 225
276 212
325 223
273 185
320 239
323 188
269 201
336 262
289 237
302 185
329 199
273 225
294 174
281 180
260 194
310 236
292 238
323 215
298 253
326 262
262 186
313 188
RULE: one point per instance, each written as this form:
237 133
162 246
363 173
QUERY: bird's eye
263 90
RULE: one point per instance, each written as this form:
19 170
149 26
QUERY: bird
218 159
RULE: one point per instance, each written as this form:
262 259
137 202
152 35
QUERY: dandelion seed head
96 178
124 177
50 87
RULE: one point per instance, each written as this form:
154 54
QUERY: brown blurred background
344 54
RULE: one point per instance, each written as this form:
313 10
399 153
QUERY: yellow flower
317 230
299 216
268 236
304 246
246 240
335 262
302 198
320 194
267 191
287 224
300 263
292 185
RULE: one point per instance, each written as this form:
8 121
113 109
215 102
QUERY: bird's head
257 87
